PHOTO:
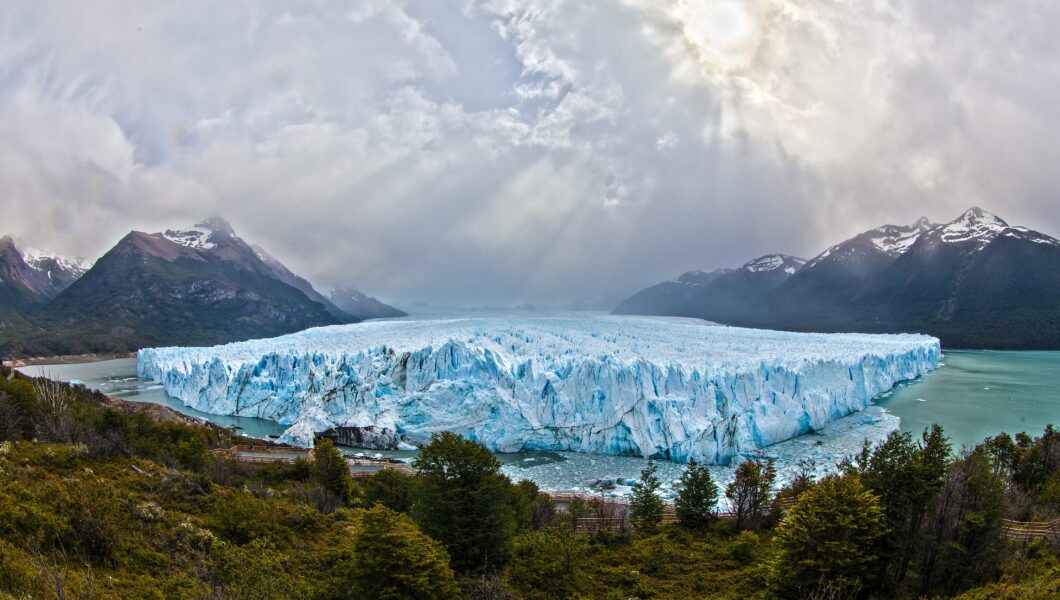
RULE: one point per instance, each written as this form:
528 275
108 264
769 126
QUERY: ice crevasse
648 386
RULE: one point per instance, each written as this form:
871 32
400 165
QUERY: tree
905 476
751 491
965 527
393 560
331 470
697 501
827 542
463 501
533 508
391 488
646 508
546 564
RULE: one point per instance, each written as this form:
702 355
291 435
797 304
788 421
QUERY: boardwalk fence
1025 531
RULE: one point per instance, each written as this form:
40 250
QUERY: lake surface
974 395
117 378
980 393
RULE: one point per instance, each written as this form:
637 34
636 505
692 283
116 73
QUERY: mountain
720 295
729 296
362 306
201 285
279 271
670 297
29 278
824 289
975 282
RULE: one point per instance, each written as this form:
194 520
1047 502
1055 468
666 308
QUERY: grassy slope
183 523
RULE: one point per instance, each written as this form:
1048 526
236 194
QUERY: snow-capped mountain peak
974 224
38 260
194 237
893 240
772 262
198 235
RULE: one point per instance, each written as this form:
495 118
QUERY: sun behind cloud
724 34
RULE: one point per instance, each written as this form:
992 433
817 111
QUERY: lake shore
67 359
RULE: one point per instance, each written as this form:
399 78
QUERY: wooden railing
265 454
381 464
1025 531
620 521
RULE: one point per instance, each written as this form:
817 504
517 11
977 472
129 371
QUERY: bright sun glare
724 33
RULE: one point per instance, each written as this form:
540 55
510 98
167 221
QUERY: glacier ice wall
647 386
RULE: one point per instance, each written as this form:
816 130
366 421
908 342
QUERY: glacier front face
647 386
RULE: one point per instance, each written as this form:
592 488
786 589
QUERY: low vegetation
103 503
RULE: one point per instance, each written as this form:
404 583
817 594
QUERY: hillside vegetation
102 502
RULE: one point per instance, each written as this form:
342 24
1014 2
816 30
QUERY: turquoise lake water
980 393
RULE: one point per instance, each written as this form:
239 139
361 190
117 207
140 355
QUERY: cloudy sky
500 151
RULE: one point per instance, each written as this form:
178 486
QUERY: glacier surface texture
641 386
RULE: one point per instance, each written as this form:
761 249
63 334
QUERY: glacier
669 388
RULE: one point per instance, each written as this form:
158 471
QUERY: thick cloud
500 151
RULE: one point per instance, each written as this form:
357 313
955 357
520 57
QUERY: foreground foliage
106 503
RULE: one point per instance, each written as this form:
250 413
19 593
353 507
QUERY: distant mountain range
195 286
975 282
30 278
356 303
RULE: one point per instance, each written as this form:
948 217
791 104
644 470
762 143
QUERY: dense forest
99 500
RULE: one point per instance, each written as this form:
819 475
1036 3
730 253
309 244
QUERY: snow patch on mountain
673 388
1029 234
975 224
772 262
892 240
38 261
195 237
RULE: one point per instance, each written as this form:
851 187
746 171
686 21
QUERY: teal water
980 393
117 378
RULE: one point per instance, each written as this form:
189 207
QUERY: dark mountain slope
671 298
29 278
363 306
281 272
975 282
738 295
150 290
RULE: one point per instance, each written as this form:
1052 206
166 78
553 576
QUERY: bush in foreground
393 560
827 542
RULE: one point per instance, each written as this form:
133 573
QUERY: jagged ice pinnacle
648 386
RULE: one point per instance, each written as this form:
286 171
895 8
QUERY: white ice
637 386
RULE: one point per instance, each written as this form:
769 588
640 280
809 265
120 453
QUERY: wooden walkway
618 519
362 468
1025 531
265 454
617 508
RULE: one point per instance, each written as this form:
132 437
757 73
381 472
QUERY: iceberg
668 388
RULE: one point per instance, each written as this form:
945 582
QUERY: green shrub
546 564
829 539
393 560
463 501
